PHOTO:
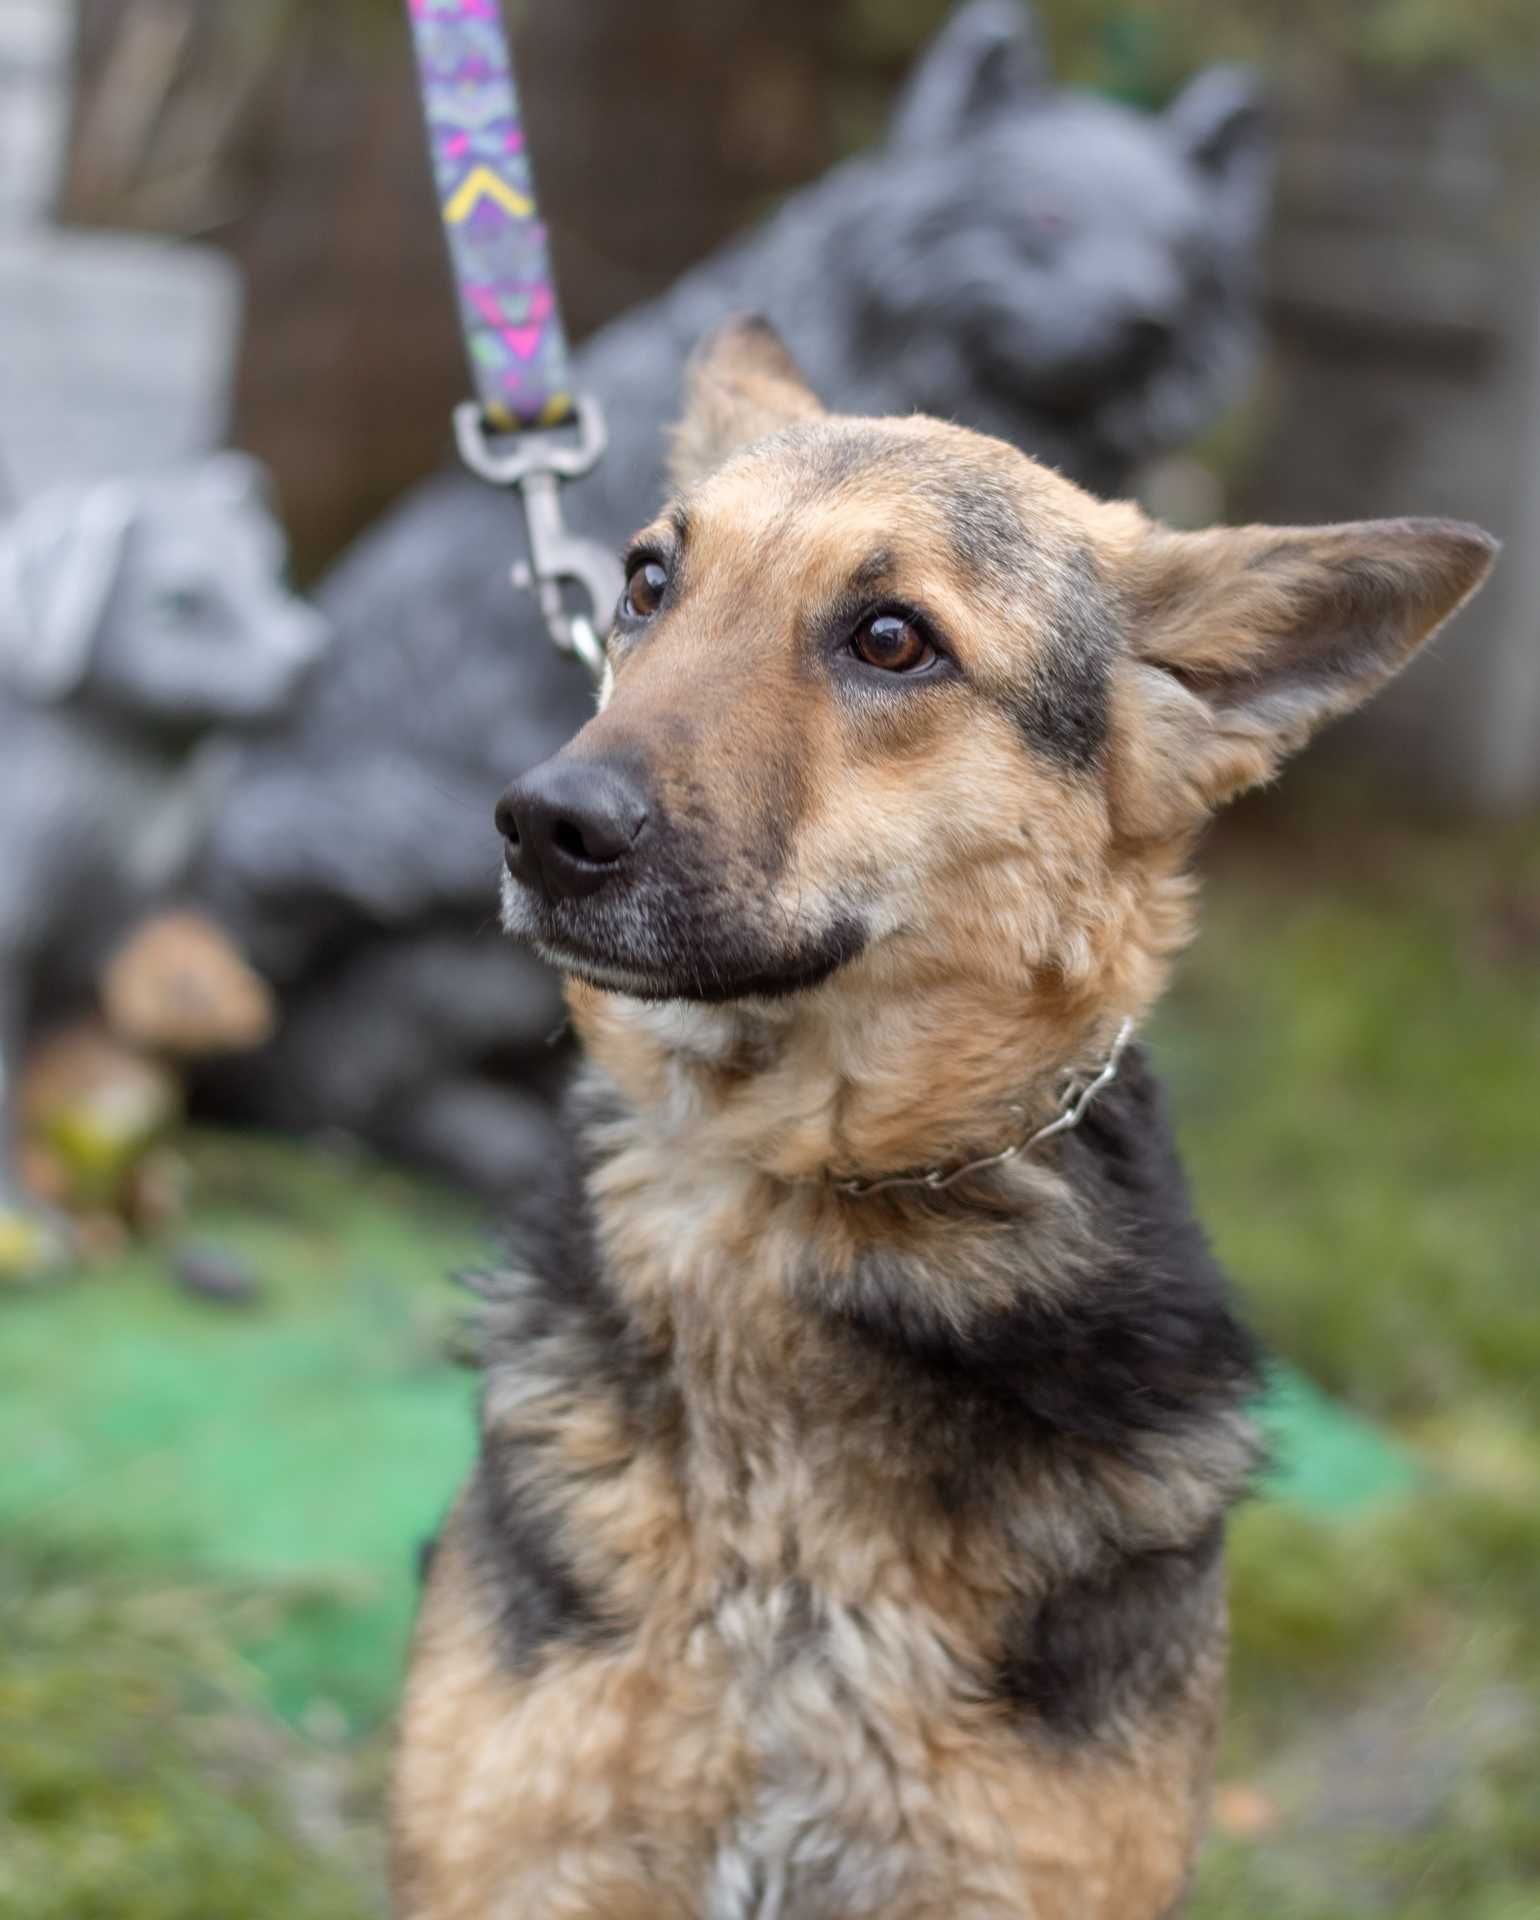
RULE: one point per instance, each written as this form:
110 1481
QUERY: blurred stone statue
1066 272
141 621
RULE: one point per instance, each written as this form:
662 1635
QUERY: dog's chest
833 1604
826 1707
780 1693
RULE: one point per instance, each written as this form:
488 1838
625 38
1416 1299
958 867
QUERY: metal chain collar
938 1179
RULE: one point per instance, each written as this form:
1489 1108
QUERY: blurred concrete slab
117 351
35 41
117 354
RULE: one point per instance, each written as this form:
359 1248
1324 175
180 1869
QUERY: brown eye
889 641
645 585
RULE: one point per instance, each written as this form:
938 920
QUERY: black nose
570 825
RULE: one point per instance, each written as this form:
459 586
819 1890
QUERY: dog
846 1535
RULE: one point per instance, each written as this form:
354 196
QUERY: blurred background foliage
1093 38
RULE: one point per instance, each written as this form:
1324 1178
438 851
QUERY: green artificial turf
1323 1457
308 1442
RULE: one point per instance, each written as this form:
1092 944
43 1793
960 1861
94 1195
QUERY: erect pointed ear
740 384
1219 122
1243 641
987 57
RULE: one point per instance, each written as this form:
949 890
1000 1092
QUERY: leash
526 429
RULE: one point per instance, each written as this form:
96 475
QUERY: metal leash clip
536 463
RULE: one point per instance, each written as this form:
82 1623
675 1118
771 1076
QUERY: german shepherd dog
846 1534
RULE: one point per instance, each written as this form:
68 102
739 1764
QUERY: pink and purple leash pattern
497 243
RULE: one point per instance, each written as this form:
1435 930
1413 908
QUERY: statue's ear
986 58
1243 641
1219 123
60 558
740 385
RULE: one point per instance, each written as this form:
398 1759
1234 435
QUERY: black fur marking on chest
556 1307
553 1320
1144 1342
527 1579
1120 1645
1141 1347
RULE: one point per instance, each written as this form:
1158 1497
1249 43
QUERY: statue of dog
140 623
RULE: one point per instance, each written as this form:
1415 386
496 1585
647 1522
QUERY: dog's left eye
645 586
893 643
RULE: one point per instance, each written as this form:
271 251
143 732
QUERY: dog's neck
823 1341
849 1080
802 1329
903 1060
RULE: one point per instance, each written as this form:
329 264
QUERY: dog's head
889 706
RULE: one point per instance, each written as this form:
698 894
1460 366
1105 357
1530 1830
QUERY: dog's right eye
893 643
645 586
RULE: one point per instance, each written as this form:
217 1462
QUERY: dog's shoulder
551 1303
574 1400
1116 1322
1076 1302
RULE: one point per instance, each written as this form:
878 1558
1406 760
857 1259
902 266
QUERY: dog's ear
987 58
1243 641
740 385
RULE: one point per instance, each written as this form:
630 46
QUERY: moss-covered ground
1354 1048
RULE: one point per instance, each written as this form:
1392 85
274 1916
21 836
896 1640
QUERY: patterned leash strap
497 241
526 428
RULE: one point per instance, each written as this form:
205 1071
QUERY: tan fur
1039 931
604 1786
798 1639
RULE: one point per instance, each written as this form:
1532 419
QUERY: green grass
140 1774
208 1524
1354 1047
1354 1050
